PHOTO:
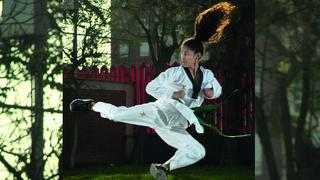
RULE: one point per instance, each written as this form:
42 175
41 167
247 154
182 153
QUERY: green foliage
198 172
92 20
17 66
165 24
283 66
287 43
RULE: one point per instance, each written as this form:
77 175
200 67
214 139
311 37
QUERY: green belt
210 107
215 130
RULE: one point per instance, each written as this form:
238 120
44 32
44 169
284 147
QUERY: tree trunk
307 54
37 162
287 135
75 61
37 64
263 132
74 143
303 113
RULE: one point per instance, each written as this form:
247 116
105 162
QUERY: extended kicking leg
143 115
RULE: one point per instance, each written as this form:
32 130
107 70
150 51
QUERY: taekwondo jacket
175 79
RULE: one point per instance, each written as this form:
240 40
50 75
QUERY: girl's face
189 58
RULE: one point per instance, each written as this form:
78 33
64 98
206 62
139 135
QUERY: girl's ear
198 55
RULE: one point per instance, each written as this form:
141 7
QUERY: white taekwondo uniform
167 116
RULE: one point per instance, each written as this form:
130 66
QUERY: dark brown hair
209 26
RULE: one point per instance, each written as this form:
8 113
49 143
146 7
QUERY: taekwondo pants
168 123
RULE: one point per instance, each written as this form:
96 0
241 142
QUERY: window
123 50
144 49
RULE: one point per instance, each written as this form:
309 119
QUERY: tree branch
11 169
50 110
149 38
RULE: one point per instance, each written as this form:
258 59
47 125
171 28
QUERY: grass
195 172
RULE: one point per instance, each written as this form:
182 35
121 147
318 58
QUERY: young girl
177 90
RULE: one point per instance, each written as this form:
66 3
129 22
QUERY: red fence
142 75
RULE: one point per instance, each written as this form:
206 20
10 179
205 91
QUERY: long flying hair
210 24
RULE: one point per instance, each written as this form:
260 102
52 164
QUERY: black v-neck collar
195 85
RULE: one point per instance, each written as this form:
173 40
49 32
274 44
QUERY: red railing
143 74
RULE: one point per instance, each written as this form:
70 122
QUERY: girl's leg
143 115
189 150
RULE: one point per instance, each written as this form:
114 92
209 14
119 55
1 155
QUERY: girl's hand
178 94
208 92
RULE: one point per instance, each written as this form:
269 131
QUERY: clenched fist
208 92
178 94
